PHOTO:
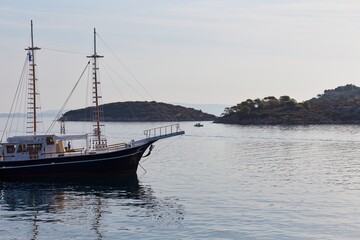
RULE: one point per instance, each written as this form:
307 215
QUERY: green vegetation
337 106
139 112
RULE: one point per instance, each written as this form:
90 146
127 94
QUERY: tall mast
95 88
32 93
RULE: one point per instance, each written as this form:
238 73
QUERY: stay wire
88 79
15 97
119 92
127 83
133 76
67 100
16 118
64 51
126 68
134 89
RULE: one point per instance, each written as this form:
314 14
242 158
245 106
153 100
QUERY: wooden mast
95 89
33 79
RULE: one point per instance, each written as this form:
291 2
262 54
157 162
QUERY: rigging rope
151 105
19 102
119 92
87 98
67 100
133 76
15 99
126 68
127 83
64 51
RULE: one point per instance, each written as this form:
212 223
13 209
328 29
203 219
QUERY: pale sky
189 51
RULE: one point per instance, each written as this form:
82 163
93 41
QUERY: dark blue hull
122 162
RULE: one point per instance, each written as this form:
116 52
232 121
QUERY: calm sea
216 182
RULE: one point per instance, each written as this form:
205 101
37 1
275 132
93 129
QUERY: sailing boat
46 155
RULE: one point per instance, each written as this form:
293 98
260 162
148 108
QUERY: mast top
32 48
95 55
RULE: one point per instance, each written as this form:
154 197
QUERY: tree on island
339 105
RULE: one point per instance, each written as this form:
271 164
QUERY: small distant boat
198 125
47 155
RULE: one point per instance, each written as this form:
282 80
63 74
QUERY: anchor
149 152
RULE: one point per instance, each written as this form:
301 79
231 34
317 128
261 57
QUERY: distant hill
335 106
140 112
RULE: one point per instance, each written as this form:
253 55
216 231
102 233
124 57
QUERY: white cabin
48 146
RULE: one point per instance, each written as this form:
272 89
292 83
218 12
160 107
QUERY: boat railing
73 151
163 131
117 146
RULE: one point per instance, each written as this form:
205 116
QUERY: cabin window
22 148
34 150
10 149
34 147
49 141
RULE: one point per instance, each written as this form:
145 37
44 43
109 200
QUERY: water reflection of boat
30 203
49 195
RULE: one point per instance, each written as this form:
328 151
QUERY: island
335 106
139 111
